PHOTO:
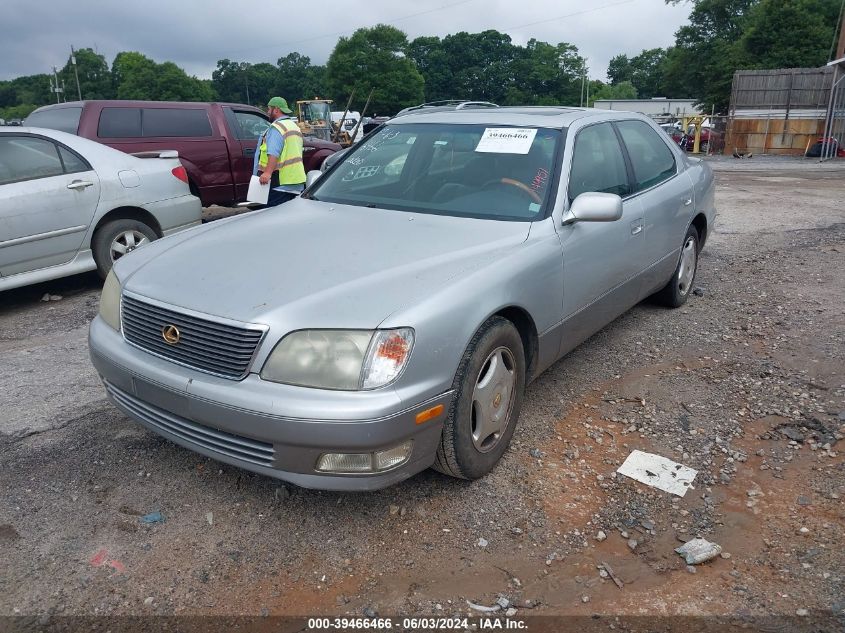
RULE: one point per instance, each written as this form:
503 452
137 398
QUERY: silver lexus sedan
388 320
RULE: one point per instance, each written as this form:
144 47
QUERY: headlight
340 359
110 301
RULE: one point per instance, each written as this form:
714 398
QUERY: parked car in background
389 318
686 139
70 205
216 141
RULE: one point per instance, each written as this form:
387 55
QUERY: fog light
392 457
346 462
365 462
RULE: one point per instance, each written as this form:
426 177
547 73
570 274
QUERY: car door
48 197
601 260
246 127
666 196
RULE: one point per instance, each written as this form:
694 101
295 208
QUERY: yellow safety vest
290 167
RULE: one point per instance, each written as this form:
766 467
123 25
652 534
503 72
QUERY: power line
336 33
569 15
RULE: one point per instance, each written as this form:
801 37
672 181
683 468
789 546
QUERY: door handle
687 201
249 151
637 227
80 184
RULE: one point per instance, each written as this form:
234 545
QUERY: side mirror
595 207
312 176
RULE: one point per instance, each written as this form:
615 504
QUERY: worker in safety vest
278 160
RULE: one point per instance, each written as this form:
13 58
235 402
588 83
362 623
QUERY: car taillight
180 173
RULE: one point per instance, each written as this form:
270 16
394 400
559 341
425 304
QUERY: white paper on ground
658 472
506 140
257 192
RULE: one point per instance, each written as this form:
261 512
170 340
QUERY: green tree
375 57
136 76
706 53
230 80
95 80
622 90
789 33
298 78
619 69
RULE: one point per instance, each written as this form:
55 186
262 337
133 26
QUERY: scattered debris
482 542
802 612
481 608
535 452
698 551
370 612
658 472
612 575
510 612
601 536
503 602
48 297
149 601
209 516
585 599
698 291
632 543
152 517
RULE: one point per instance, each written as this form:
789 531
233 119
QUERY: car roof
132 103
531 116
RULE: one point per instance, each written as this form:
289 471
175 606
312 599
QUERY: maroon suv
216 141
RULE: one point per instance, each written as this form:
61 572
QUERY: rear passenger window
176 122
73 163
652 159
63 119
597 163
119 123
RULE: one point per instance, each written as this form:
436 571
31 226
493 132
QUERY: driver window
250 125
597 163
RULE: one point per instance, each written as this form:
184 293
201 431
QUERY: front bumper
206 414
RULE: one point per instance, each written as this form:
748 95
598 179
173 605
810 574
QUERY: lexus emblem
171 334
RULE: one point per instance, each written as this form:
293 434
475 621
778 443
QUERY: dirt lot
746 384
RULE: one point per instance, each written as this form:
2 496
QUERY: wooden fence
777 111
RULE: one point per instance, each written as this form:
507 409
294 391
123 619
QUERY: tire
482 416
117 235
675 293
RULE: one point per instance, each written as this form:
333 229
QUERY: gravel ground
746 384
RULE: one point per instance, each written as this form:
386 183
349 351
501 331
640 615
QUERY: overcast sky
35 36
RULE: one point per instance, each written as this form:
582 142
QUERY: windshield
501 173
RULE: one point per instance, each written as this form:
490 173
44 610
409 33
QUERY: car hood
315 264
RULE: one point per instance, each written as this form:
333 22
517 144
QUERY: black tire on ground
675 293
457 454
111 232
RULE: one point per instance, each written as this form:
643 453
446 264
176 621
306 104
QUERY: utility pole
840 48
55 87
75 71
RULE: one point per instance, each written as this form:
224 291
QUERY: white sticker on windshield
506 140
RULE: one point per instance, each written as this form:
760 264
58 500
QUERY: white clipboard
257 192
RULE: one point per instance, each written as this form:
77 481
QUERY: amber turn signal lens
429 414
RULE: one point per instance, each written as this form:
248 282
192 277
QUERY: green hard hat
278 102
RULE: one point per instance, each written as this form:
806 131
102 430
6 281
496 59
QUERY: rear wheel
489 387
116 238
675 293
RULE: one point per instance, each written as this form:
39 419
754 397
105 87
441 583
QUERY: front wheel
675 293
489 386
116 238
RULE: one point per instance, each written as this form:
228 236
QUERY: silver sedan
69 205
389 319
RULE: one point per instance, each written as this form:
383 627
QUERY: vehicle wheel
674 294
116 238
489 386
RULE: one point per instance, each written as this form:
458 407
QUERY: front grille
236 446
209 346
